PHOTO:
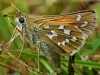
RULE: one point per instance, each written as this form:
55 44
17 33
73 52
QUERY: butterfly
56 35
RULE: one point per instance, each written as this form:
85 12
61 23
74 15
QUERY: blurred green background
87 59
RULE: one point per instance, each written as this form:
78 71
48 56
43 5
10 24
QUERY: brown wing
84 20
67 32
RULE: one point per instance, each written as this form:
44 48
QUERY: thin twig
23 63
5 48
10 67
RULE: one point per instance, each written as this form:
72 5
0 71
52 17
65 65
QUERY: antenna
5 15
15 7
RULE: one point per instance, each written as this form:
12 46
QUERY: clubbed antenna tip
5 15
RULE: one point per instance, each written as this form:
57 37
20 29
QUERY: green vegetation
87 60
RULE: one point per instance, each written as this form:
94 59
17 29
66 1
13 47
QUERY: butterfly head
20 19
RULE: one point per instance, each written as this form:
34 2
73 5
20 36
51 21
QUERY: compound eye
21 19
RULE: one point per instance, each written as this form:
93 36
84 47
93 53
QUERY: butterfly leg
14 35
38 55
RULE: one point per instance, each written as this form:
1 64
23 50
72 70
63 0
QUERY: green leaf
47 66
89 72
96 44
12 23
84 63
16 73
33 72
77 70
87 52
4 28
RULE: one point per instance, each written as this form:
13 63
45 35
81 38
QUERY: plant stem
70 67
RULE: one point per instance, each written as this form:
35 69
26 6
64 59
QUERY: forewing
67 31
84 20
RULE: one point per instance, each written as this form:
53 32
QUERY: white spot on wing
78 48
63 43
61 27
52 35
73 52
67 40
59 43
67 32
46 27
78 18
73 39
85 23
